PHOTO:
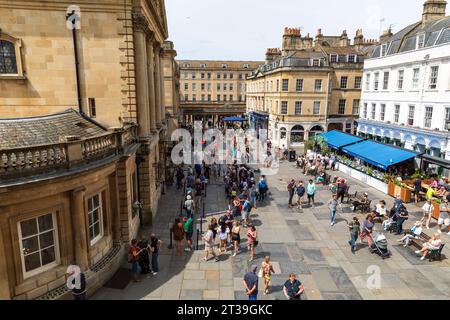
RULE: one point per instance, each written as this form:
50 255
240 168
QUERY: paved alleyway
299 241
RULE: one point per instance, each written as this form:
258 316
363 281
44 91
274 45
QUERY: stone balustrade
27 161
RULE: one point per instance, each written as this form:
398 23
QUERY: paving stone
194 284
297 267
211 294
212 275
191 295
324 281
213 284
226 275
209 265
313 256
194 275
240 296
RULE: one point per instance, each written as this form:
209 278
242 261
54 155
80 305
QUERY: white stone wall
420 97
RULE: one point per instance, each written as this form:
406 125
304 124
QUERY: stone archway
335 126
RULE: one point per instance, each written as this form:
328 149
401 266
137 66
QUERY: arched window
315 131
283 133
297 134
8 58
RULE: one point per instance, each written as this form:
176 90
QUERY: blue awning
233 119
338 139
379 155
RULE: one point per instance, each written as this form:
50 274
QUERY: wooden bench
423 238
350 196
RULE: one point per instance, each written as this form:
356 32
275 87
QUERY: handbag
255 243
260 273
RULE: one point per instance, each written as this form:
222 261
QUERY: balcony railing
27 161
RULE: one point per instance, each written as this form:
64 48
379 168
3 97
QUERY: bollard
171 233
203 214
198 235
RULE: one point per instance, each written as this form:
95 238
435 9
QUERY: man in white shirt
381 209
427 209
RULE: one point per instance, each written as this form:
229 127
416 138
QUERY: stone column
158 86
5 293
115 207
161 81
151 82
79 228
140 27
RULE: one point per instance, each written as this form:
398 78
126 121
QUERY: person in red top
134 260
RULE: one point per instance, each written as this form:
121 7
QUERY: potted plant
437 207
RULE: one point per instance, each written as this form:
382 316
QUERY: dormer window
202 65
246 66
384 48
224 66
186 65
420 41
333 57
10 58
316 62
351 58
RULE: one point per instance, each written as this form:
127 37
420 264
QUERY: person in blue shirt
198 169
246 208
251 283
262 186
253 195
311 191
300 190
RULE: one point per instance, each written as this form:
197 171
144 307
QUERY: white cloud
243 29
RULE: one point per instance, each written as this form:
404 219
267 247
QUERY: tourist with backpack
300 190
246 208
262 186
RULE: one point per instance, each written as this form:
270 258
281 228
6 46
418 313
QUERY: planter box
361 176
394 190
391 189
437 210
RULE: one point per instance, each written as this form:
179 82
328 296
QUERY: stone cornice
62 5
389 126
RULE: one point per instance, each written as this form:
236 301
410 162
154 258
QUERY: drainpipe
139 160
77 63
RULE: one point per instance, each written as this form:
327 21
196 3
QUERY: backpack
262 185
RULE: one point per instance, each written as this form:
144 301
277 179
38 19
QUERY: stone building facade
110 70
310 86
171 87
211 90
406 91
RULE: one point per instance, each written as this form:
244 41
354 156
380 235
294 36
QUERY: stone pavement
299 241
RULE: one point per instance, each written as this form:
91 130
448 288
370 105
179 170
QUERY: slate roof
436 32
49 129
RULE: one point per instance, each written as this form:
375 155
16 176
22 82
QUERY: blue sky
243 29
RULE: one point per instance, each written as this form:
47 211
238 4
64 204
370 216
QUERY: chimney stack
386 35
433 10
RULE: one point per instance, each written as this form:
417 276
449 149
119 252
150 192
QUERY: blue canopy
377 154
338 139
233 119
